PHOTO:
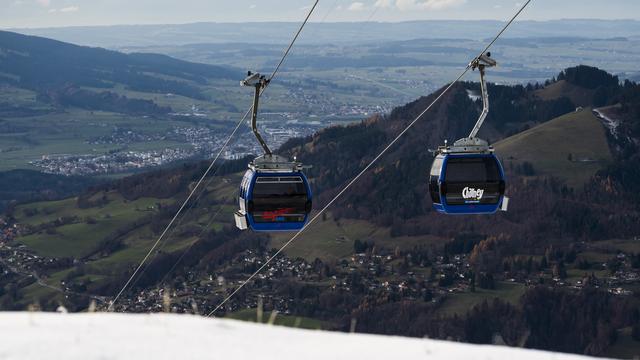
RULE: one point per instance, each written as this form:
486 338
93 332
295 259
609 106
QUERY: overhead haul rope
173 230
345 188
184 253
326 15
215 215
208 170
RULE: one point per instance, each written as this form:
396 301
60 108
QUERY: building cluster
111 163
17 259
331 106
385 274
203 143
124 136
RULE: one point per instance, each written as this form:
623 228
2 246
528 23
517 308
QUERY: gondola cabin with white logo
467 177
467 183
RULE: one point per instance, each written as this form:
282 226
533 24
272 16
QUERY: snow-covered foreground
115 336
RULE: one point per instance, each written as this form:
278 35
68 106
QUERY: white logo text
472 194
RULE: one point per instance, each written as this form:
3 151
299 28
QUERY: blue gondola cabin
467 184
274 201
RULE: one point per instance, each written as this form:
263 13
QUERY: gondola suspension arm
480 63
259 82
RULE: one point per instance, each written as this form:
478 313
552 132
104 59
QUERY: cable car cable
184 253
213 217
220 209
326 15
208 170
345 188
174 228
184 204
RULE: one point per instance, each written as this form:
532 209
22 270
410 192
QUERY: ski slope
161 336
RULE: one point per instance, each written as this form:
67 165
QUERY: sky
57 13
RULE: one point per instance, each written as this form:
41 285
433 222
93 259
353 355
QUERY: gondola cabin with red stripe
274 193
274 196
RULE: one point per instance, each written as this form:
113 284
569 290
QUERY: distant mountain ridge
42 64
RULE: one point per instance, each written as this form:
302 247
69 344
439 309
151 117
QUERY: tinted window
476 170
279 199
267 187
472 181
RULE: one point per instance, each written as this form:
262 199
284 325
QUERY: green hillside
110 235
572 147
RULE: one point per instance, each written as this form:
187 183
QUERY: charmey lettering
472 194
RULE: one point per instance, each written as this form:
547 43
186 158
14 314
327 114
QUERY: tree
559 270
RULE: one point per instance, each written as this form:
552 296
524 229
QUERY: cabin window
279 199
479 169
472 180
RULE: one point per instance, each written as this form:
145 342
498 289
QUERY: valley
99 149
363 260
325 83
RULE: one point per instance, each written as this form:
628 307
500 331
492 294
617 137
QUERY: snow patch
474 95
611 124
162 336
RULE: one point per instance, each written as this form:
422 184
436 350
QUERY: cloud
70 9
383 3
44 3
356 6
406 5
252 6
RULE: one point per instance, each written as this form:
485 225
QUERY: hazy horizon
310 22
34 14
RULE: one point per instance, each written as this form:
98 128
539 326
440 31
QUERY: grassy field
71 132
281 320
330 239
629 246
460 303
550 146
36 291
81 238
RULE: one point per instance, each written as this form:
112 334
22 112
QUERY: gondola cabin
467 183
274 201
274 193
